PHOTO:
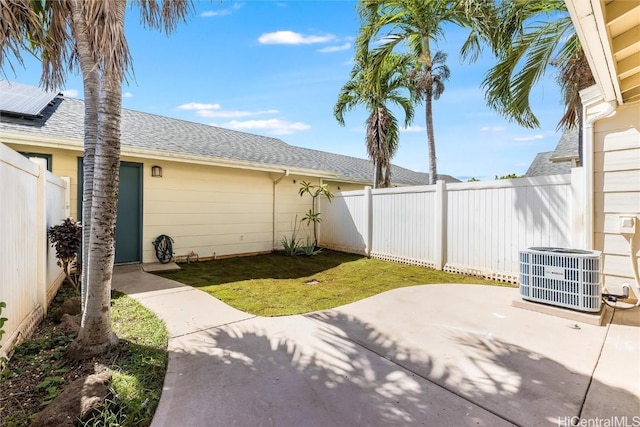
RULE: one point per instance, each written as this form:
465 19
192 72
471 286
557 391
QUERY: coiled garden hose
164 248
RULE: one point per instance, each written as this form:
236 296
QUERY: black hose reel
164 248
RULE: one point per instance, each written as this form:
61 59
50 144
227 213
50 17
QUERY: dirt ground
38 370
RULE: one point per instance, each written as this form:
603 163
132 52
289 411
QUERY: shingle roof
567 147
542 166
64 119
558 161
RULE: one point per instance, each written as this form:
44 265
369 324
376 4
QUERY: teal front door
129 221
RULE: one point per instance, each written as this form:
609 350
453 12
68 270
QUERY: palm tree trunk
95 335
381 148
91 84
387 176
375 173
431 141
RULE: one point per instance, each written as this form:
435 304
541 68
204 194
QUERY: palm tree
65 34
429 85
415 24
376 92
533 36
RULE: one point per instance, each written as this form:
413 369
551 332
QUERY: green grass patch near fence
277 285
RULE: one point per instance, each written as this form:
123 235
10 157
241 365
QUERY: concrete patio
427 355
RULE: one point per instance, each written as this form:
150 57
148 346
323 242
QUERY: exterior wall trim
594 108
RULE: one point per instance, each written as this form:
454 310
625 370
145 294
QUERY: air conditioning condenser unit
562 277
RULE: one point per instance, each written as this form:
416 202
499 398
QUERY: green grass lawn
276 285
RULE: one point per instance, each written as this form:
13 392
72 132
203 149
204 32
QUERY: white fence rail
473 228
31 199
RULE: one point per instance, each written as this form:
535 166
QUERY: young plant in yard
66 238
292 244
309 248
313 215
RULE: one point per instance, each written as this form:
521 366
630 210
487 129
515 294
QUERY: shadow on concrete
131 279
522 386
333 369
245 377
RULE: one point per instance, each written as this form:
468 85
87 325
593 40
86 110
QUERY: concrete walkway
437 355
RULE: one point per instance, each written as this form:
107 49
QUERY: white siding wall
31 200
617 192
207 210
290 205
475 228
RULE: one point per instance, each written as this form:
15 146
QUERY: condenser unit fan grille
562 277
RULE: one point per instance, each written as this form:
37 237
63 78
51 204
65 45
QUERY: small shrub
2 319
309 248
66 238
3 359
292 244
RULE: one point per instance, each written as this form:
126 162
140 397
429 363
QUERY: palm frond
165 14
21 23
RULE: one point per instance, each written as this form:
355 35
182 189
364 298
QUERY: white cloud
528 138
330 49
221 12
127 95
290 37
274 126
198 106
493 128
233 113
413 129
70 93
215 111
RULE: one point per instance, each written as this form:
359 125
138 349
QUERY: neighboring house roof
567 148
558 161
64 119
542 165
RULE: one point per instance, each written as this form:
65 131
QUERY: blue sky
275 68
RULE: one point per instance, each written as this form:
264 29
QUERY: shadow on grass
275 265
332 369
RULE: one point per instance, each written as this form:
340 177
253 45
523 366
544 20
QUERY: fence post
67 198
41 239
368 209
577 214
440 224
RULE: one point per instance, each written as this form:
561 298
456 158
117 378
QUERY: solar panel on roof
24 100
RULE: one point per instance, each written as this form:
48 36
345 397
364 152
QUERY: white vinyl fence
31 199
472 228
